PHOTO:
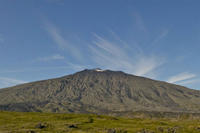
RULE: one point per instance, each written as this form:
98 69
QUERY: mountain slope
97 91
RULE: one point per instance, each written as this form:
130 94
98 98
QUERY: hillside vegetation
18 122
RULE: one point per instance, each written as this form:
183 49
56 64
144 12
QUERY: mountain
99 91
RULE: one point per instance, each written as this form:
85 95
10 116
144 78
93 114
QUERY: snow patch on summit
99 70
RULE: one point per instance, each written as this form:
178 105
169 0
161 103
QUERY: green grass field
17 122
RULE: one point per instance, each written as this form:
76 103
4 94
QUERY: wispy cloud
61 41
112 53
146 65
108 54
139 21
50 58
181 77
162 35
77 67
189 82
6 82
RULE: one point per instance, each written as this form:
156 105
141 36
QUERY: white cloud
147 64
50 58
139 21
77 67
162 35
62 42
55 34
108 54
181 77
6 82
111 53
192 81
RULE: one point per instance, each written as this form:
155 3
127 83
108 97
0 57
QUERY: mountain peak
98 70
99 91
95 70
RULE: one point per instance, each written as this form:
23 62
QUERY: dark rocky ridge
97 91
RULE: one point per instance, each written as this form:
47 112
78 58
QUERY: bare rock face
99 91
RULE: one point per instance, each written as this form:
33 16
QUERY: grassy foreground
17 122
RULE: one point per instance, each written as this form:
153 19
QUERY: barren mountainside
97 91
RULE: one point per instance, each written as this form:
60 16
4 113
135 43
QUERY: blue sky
51 38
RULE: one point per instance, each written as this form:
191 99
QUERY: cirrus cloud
6 82
181 77
50 58
108 54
